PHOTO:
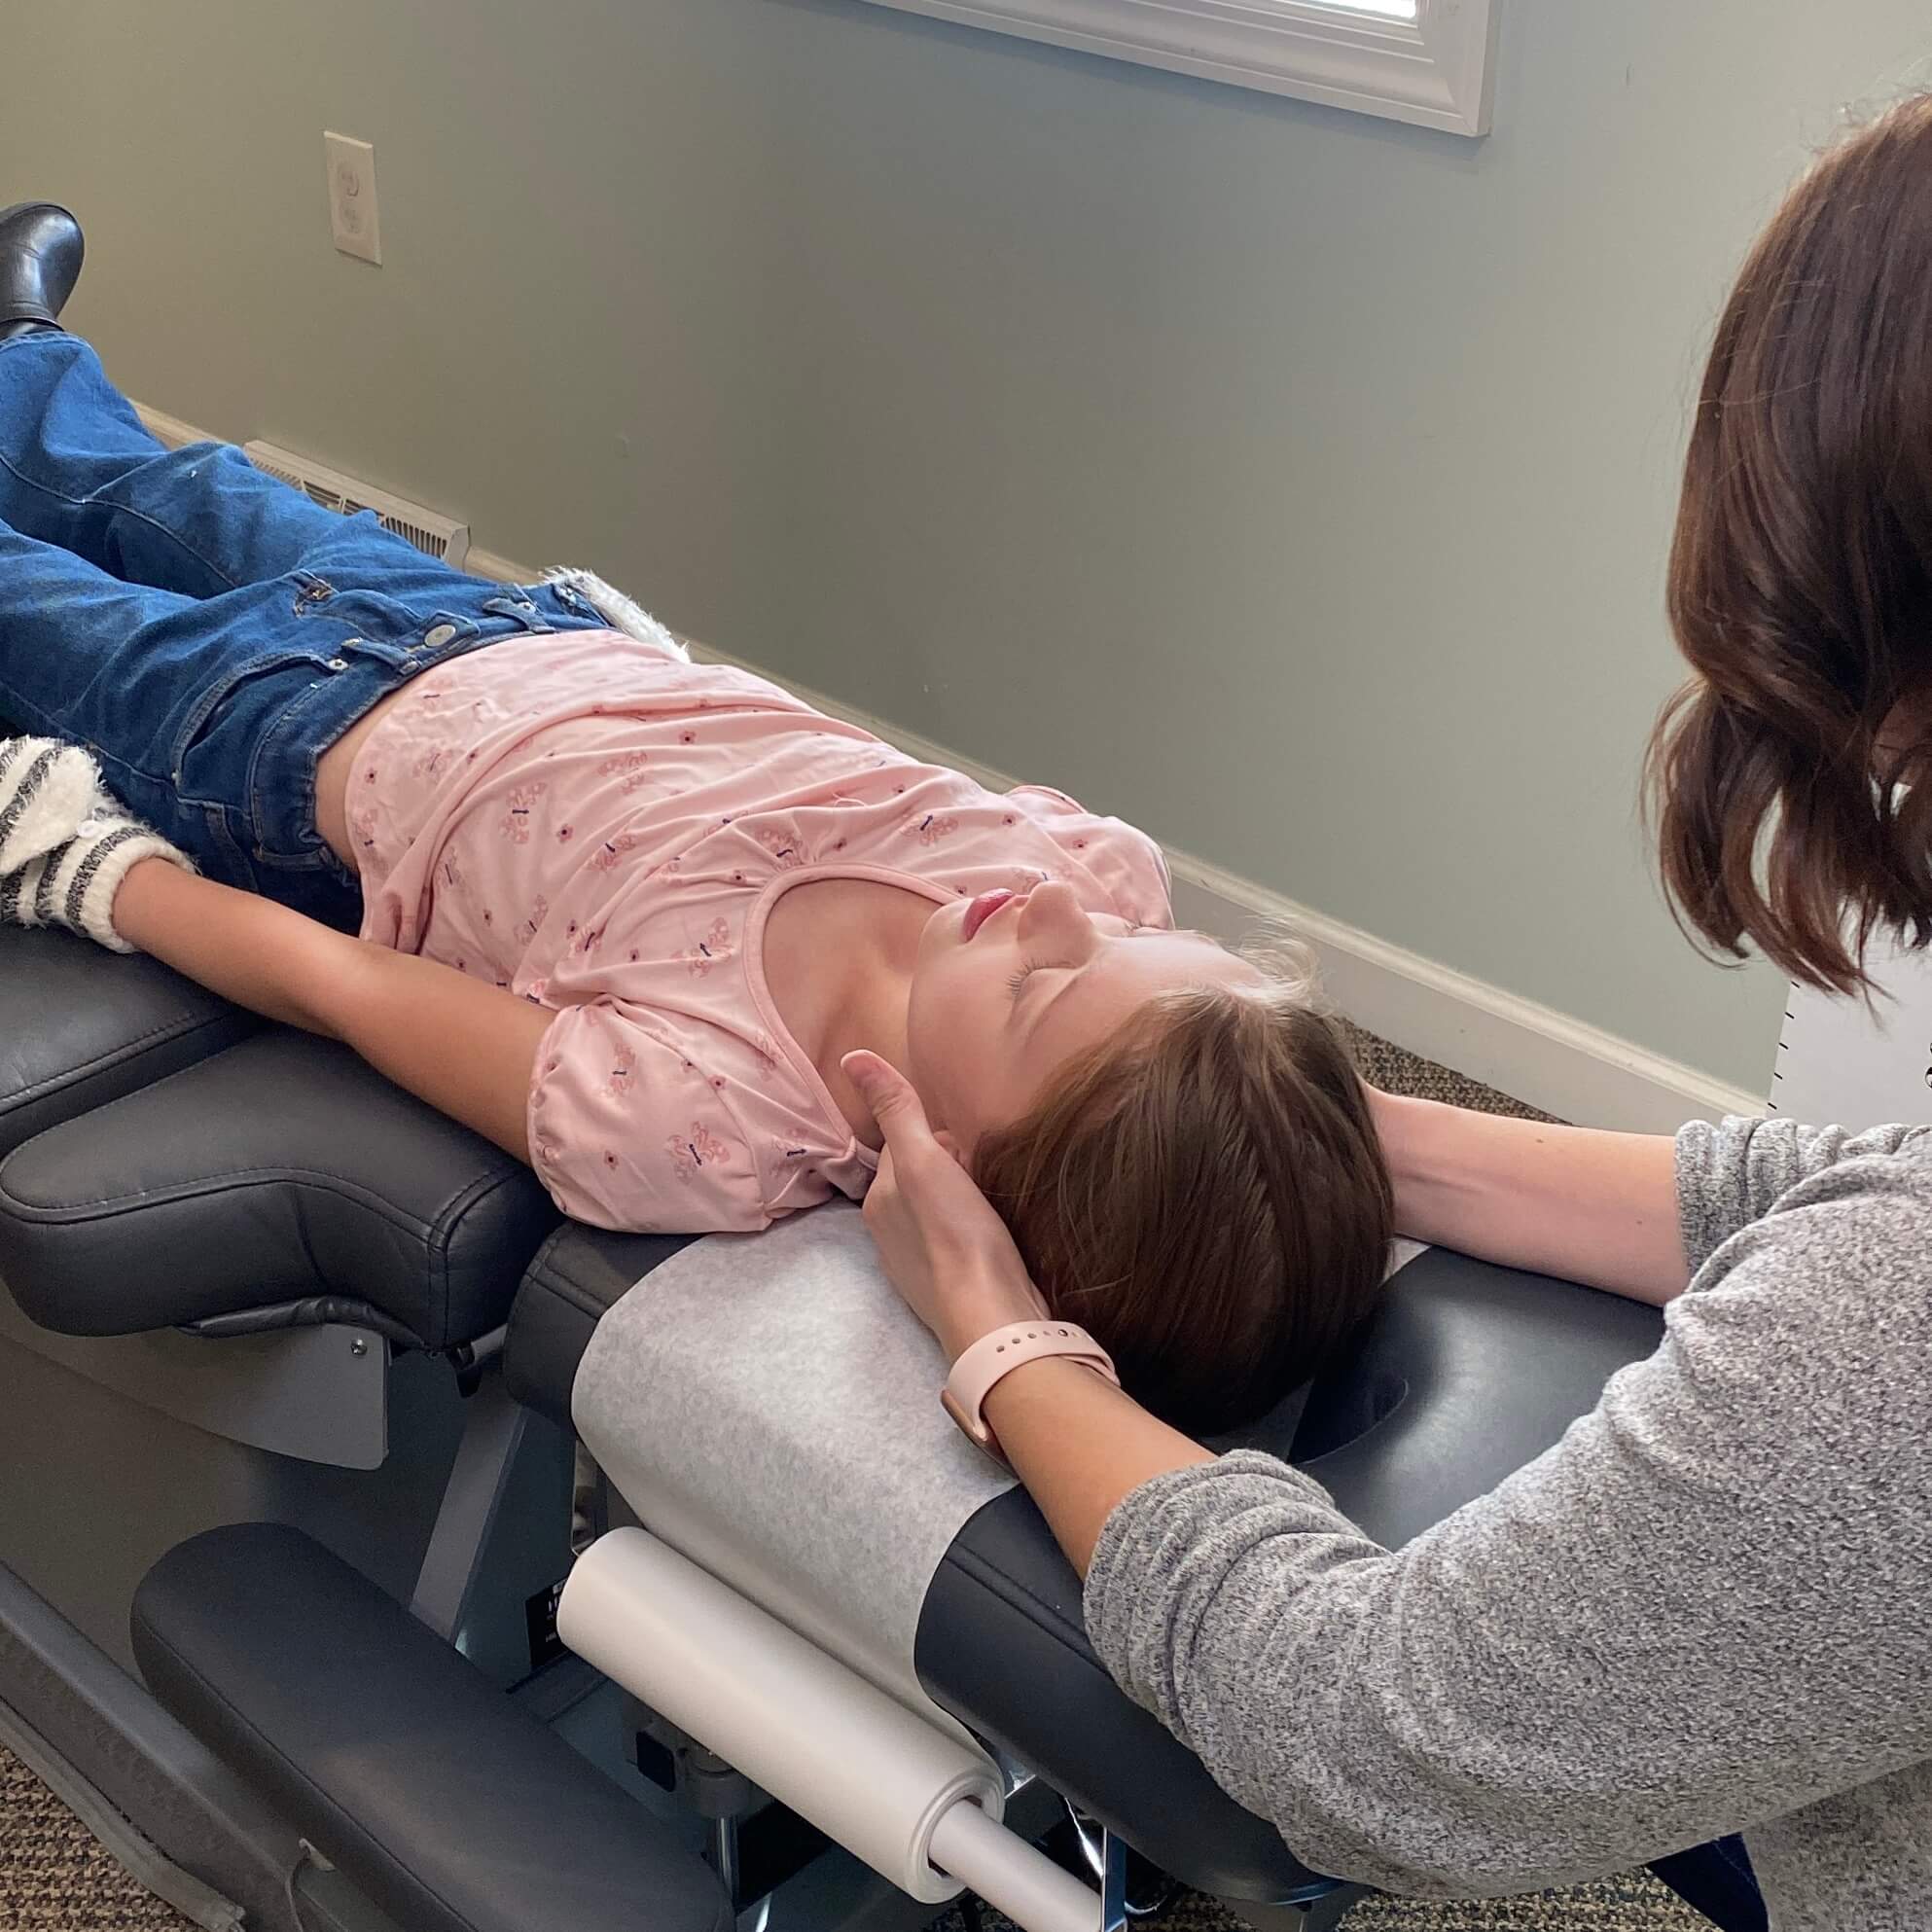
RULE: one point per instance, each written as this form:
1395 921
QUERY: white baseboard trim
1532 1052
498 569
171 430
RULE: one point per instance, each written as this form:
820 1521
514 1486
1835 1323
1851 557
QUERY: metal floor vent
439 535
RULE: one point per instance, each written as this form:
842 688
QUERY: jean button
439 634
338 663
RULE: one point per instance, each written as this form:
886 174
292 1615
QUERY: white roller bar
1008 1873
921 1809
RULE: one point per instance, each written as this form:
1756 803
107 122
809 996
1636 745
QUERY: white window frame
1434 71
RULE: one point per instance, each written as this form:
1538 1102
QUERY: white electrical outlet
352 214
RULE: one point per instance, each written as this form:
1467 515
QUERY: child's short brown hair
1205 1193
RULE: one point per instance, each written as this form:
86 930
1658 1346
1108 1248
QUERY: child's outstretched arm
467 1048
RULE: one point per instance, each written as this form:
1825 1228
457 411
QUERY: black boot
40 262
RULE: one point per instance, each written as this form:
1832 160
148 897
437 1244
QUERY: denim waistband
271 833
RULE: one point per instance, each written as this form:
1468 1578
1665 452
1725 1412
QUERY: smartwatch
992 1358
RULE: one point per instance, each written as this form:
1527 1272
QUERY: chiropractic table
295 1381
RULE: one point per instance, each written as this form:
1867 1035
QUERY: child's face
1008 987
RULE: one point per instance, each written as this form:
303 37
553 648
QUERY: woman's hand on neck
872 1017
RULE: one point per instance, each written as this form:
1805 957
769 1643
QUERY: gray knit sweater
1709 1609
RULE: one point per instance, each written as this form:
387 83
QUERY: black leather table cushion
574 1282
1469 1371
281 1169
80 1026
448 1805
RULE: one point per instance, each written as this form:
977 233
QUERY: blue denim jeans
1718 1881
207 631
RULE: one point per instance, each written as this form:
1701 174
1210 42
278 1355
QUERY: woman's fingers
899 1111
895 1104
947 1253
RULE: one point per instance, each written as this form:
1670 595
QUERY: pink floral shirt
602 828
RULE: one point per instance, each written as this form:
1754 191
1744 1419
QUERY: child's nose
1052 909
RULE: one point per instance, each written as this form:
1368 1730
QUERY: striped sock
73 886
46 790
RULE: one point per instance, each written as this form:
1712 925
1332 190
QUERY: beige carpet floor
55 1877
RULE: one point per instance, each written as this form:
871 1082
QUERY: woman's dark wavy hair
1781 778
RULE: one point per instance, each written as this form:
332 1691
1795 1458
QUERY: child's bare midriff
331 780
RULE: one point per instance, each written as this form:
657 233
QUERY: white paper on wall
1842 1062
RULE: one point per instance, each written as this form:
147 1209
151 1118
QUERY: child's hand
947 1251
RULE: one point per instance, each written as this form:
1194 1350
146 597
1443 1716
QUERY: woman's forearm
1599 1208
466 1048
1080 1446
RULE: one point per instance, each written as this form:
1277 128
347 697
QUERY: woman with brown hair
1704 1612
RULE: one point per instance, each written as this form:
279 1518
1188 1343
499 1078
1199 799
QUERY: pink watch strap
996 1355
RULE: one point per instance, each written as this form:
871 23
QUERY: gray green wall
1290 481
